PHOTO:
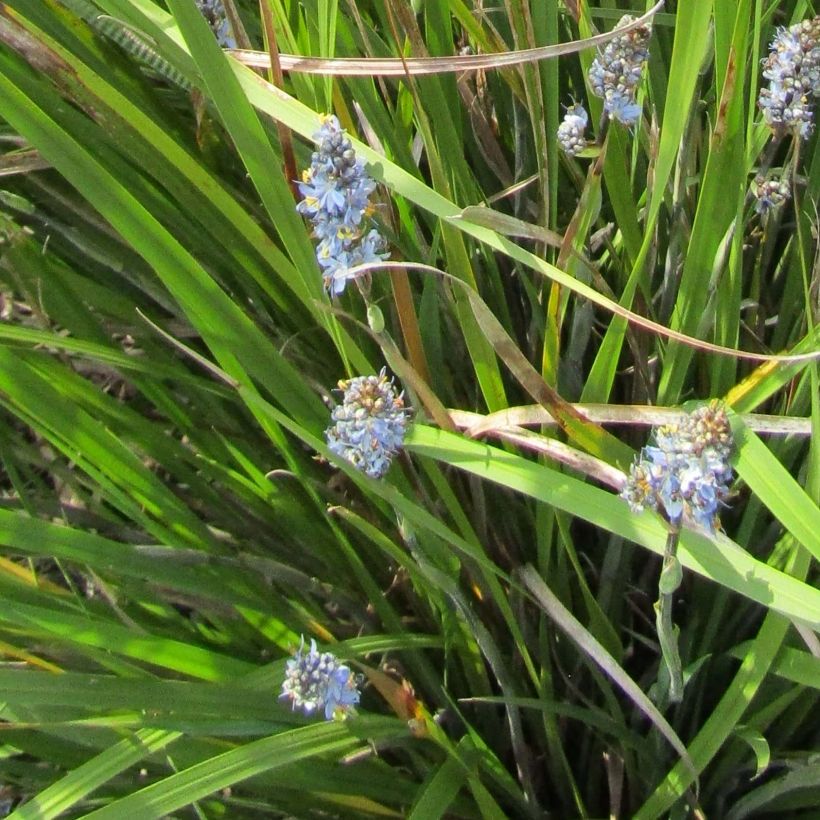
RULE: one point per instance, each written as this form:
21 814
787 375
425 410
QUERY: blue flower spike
369 426
793 71
317 683
336 193
687 473
616 72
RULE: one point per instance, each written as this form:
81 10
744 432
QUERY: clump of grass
183 510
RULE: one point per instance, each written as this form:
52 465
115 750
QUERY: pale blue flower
622 106
369 426
339 258
316 682
793 71
336 193
323 194
686 472
342 693
616 72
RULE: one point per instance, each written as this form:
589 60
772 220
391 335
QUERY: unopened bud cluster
616 72
336 190
369 426
214 12
793 71
316 682
687 472
571 131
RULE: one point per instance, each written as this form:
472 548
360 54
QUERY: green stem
670 580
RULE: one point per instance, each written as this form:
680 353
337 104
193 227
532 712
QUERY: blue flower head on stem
687 472
336 193
793 71
316 682
369 426
616 72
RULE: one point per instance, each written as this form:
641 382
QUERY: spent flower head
571 130
316 682
214 12
616 72
336 193
686 472
369 426
793 71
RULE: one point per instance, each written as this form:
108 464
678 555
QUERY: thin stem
276 78
670 580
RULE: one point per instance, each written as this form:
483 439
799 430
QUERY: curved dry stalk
558 451
477 424
399 67
613 307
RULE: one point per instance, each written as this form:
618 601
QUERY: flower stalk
685 476
668 583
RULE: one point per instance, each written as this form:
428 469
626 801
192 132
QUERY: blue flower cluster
336 198
793 71
369 426
214 12
770 193
571 131
316 681
687 473
615 73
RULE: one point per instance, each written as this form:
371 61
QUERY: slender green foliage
187 493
